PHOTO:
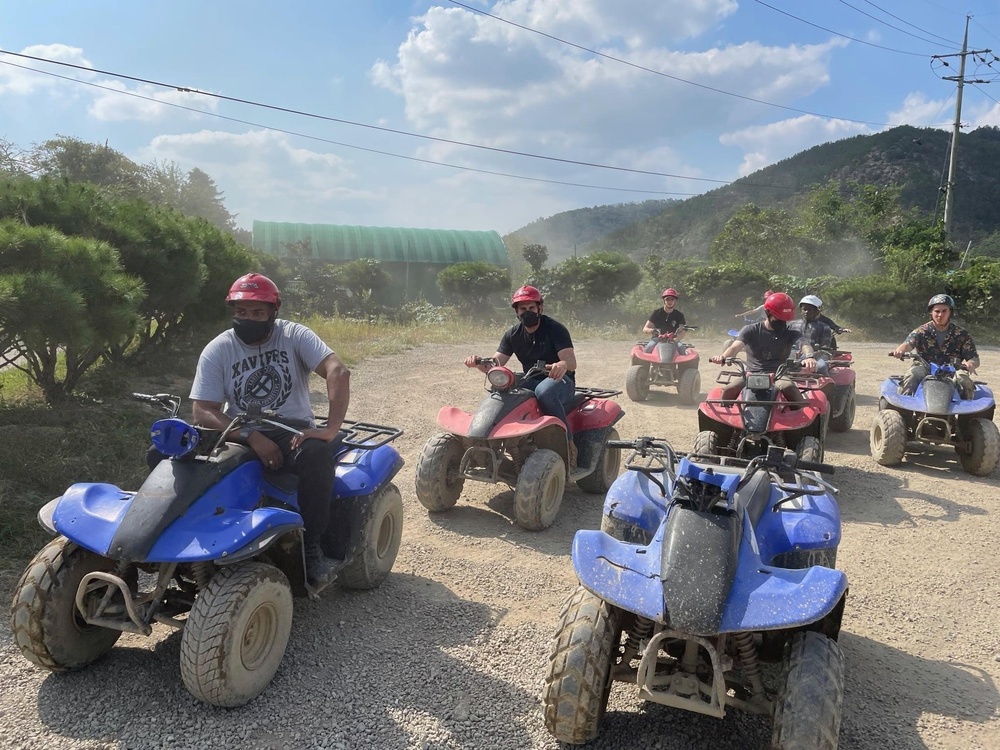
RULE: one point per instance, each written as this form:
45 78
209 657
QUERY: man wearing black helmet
940 342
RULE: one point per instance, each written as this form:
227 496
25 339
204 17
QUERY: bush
885 308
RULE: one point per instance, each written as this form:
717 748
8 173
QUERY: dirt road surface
450 652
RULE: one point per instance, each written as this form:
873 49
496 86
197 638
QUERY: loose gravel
450 652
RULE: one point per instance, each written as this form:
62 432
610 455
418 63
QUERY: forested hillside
911 159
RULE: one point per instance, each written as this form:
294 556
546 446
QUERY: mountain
912 158
570 231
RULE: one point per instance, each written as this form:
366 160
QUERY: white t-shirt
274 374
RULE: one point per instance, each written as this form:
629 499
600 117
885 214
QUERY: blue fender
761 598
362 471
88 513
634 499
981 401
811 522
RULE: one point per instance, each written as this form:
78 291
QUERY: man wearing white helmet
825 320
814 331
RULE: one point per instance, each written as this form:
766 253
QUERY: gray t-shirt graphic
273 375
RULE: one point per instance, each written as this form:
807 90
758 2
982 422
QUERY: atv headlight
759 381
500 378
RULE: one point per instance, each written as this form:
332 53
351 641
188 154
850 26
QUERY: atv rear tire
810 700
689 387
376 550
47 626
608 465
843 421
888 437
578 681
637 382
439 485
984 448
539 490
706 443
810 449
236 634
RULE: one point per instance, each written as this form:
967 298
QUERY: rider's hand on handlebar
898 352
473 361
556 370
809 364
718 359
969 365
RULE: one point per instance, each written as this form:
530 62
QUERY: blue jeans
553 397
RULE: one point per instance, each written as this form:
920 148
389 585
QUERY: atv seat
577 401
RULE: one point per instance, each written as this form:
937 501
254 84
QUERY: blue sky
438 69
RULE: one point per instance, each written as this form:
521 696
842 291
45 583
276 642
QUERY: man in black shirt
539 337
666 319
768 345
815 331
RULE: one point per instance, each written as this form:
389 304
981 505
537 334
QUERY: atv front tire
637 382
376 550
47 626
808 707
539 490
236 634
843 421
888 437
984 448
608 465
706 443
810 449
578 681
689 387
439 485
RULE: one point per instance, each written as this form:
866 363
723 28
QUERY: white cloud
263 175
21 82
917 109
766 144
471 78
110 99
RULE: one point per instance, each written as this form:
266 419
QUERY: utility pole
949 195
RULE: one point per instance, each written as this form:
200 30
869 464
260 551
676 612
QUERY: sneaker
321 571
572 455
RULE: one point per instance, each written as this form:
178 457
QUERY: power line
665 75
340 143
886 23
837 33
990 33
394 131
903 20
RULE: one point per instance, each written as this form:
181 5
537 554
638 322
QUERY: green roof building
412 257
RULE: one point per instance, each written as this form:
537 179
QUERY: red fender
594 414
525 419
454 420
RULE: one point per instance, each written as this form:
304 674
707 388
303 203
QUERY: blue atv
210 544
704 568
936 414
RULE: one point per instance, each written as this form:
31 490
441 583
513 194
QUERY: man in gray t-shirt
266 362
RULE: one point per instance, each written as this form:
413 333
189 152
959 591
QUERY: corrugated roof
337 242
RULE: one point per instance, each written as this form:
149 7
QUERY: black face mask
529 318
252 331
778 325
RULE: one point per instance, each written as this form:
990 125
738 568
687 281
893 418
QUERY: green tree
200 196
66 300
75 160
535 256
362 279
597 278
472 285
764 238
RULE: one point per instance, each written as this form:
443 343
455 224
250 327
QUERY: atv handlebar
167 402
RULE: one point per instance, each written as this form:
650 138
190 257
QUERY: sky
482 114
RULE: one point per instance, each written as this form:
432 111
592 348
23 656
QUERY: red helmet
779 305
669 292
254 287
767 294
526 294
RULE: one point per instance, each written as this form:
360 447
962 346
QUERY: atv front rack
364 435
590 393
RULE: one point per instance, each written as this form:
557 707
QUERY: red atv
510 440
744 427
664 366
838 387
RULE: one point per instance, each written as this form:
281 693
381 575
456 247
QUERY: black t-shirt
833 326
766 349
545 343
667 323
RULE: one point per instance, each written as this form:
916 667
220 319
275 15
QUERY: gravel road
450 652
